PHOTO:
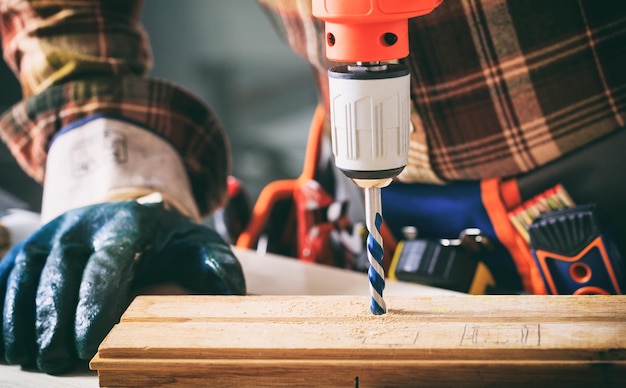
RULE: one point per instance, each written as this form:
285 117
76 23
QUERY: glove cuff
104 159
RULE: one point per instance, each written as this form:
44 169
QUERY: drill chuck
370 121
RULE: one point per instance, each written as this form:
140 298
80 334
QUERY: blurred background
229 55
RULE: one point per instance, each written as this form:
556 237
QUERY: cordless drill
370 102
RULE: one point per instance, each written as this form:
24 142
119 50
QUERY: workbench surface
265 275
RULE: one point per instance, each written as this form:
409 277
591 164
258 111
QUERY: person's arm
129 165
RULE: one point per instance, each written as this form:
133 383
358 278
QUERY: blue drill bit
376 273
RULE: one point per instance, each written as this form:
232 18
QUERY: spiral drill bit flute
370 103
376 273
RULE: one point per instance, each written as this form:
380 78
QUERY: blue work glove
65 286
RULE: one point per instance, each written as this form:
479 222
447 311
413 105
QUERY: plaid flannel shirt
499 87
78 58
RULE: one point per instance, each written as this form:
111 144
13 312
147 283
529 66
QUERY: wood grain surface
326 341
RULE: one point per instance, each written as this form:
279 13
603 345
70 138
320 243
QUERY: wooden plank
458 307
333 341
382 374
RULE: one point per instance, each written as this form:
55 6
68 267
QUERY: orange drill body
369 30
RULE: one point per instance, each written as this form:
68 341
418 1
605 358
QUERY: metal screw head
474 240
390 38
409 232
330 38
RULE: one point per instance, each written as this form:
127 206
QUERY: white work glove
107 159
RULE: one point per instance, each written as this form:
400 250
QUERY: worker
508 100
131 165
517 95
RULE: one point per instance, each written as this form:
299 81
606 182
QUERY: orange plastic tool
369 30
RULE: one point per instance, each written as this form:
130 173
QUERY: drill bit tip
375 252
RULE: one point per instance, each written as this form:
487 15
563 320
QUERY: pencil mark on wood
504 335
392 338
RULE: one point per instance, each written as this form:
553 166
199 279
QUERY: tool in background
452 264
370 102
233 218
575 254
555 198
573 251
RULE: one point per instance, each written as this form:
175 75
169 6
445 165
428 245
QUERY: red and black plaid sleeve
499 87
77 58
